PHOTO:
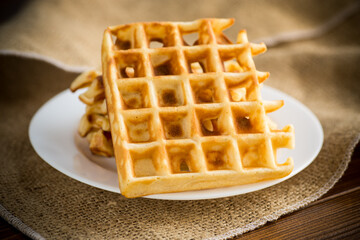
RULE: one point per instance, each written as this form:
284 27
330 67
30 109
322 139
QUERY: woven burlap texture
322 73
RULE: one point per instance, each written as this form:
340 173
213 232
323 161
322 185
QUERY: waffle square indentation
170 92
140 127
134 94
213 121
255 151
200 60
160 33
183 158
205 90
130 65
165 62
176 124
146 162
219 155
248 117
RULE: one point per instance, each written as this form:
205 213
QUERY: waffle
94 124
188 116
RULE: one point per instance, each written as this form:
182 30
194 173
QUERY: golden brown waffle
94 124
186 117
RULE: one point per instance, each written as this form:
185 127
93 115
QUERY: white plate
53 134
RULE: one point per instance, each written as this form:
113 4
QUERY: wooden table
336 215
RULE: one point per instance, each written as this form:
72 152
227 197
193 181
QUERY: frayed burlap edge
18 224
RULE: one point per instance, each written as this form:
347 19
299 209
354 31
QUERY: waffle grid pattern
174 111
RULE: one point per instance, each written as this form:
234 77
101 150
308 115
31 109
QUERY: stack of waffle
94 124
182 116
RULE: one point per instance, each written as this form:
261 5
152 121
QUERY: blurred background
71 31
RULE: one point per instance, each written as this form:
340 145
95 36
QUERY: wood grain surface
336 215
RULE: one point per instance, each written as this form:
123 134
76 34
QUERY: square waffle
188 116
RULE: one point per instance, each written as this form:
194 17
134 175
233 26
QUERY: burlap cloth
322 73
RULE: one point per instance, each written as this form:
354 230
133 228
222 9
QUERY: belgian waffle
188 116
